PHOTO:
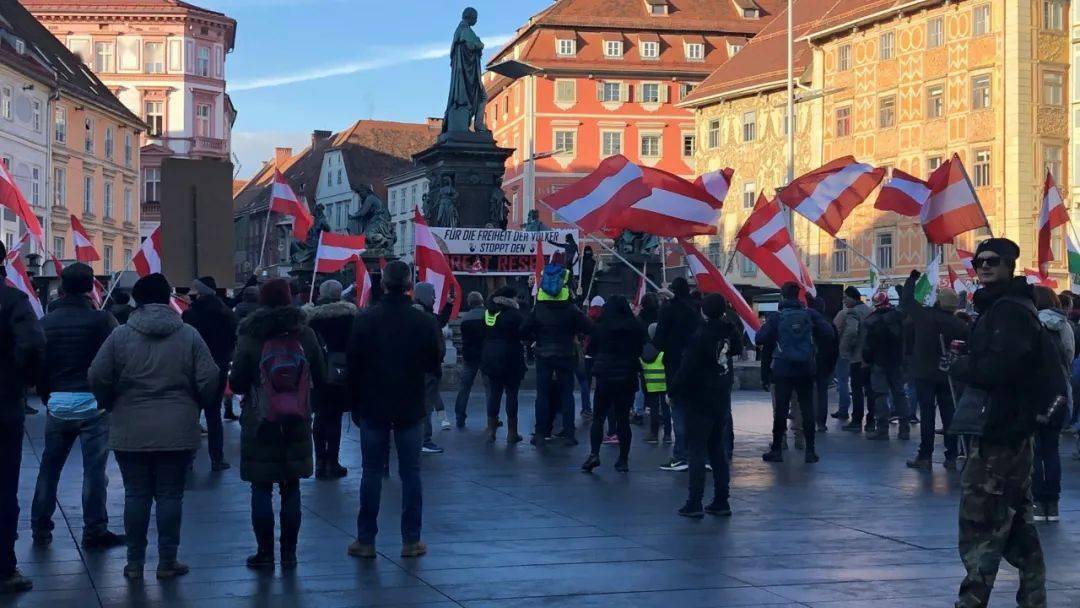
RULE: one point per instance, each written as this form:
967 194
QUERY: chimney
318 136
281 155
434 123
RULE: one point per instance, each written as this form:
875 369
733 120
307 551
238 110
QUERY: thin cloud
382 58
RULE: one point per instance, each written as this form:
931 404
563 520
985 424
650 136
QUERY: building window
839 257
695 52
155 118
980 20
80 47
749 195
58 246
883 250
887 112
566 48
88 195
613 48
935 101
650 146
202 62
151 184
749 126
685 88
107 259
650 50
1053 15
650 92
127 204
843 121
129 150
746 266
733 49
565 91
1053 83
610 91
611 143
154 58
128 254
1052 162
202 120
35 115
104 57
843 59
933 163
714 134
176 55
689 144
980 92
127 50
935 33
658 9
981 174
59 187
110 142
886 44
107 200
751 13
35 186
88 143
60 125
5 102
564 141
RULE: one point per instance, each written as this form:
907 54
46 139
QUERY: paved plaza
522 528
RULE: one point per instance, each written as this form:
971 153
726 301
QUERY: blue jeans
678 420
468 377
153 477
843 389
262 513
639 403
60 436
375 447
563 381
583 373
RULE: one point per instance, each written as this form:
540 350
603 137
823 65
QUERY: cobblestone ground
522 528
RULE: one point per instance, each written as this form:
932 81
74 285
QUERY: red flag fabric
12 198
58 268
826 196
283 200
1034 277
711 280
765 240
362 290
953 207
671 206
956 283
432 267
593 200
148 259
1051 215
382 263
17 278
904 194
179 304
97 294
967 260
538 266
335 251
84 247
716 183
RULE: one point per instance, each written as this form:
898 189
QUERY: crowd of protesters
137 377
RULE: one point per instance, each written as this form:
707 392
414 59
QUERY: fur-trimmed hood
505 302
330 310
268 322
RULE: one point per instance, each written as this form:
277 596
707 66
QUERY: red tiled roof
846 11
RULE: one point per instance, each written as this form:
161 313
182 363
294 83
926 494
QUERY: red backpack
285 380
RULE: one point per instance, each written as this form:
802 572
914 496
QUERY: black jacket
679 319
332 322
699 379
74 332
1004 341
121 312
502 353
884 344
392 347
22 344
217 325
931 327
553 326
648 316
616 344
472 335
244 309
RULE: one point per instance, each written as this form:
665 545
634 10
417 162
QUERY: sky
301 65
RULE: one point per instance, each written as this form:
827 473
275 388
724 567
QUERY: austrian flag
84 249
432 266
674 207
826 196
337 250
594 199
953 207
711 280
148 259
283 200
904 194
764 239
1051 215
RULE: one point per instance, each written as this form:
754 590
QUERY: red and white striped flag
58 268
362 284
593 200
283 200
672 206
967 260
84 248
12 198
711 280
432 267
826 196
178 304
335 251
716 183
97 294
538 267
956 283
953 207
641 288
765 240
1035 278
17 278
147 259
904 194
1051 215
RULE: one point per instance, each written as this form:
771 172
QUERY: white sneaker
446 425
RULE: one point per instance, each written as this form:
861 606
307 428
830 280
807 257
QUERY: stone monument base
475 165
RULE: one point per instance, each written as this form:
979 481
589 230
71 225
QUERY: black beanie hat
152 289
853 292
1008 250
77 279
714 306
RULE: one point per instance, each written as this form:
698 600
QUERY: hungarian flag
84 248
283 200
362 284
1072 250
335 251
765 240
953 207
17 278
711 280
432 267
593 200
148 259
1051 215
12 198
927 285
672 206
538 267
967 259
826 196
904 194
1034 278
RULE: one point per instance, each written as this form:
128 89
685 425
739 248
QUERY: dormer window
749 9
751 13
733 49
565 44
613 49
695 51
649 46
657 7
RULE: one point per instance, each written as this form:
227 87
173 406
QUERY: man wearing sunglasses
996 507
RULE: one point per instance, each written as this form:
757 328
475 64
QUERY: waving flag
148 259
1051 215
711 280
12 198
904 194
953 207
716 183
927 285
1034 278
538 267
672 206
1073 253
97 294
179 304
967 259
335 251
17 278
84 248
826 196
765 240
283 200
958 285
432 267
594 199
362 284
639 295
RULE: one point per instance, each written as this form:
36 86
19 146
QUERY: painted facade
24 145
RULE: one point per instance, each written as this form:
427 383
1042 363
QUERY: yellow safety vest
564 293
655 380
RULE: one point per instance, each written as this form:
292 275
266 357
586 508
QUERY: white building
24 144
406 194
337 197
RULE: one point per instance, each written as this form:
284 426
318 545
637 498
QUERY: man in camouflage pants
996 508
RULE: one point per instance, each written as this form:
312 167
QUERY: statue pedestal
474 164
621 280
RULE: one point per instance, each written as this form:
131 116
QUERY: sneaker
460 423
894 420
217 467
362 550
652 439
914 419
429 447
611 440
170 570
720 508
16 583
675 464
692 511
414 549
1052 511
811 457
854 427
1040 512
29 412
920 462
773 456
708 467
446 426
107 540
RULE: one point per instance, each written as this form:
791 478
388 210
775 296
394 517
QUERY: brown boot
512 436
493 425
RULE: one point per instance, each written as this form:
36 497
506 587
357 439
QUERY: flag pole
266 233
112 283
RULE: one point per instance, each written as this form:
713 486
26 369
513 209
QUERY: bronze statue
533 223
633 243
442 207
498 207
465 105
303 254
372 220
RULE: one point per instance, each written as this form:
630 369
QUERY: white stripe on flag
80 240
916 191
605 190
829 189
283 191
678 206
438 281
153 260
766 232
955 196
336 254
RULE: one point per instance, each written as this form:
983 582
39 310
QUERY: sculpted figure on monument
465 103
372 220
533 223
442 204
302 254
498 207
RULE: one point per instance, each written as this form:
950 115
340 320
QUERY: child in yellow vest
655 387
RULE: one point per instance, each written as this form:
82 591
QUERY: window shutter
625 90
599 90
664 88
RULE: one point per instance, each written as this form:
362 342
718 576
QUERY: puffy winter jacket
502 353
851 331
615 344
472 335
22 344
216 323
74 332
884 342
553 325
679 319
